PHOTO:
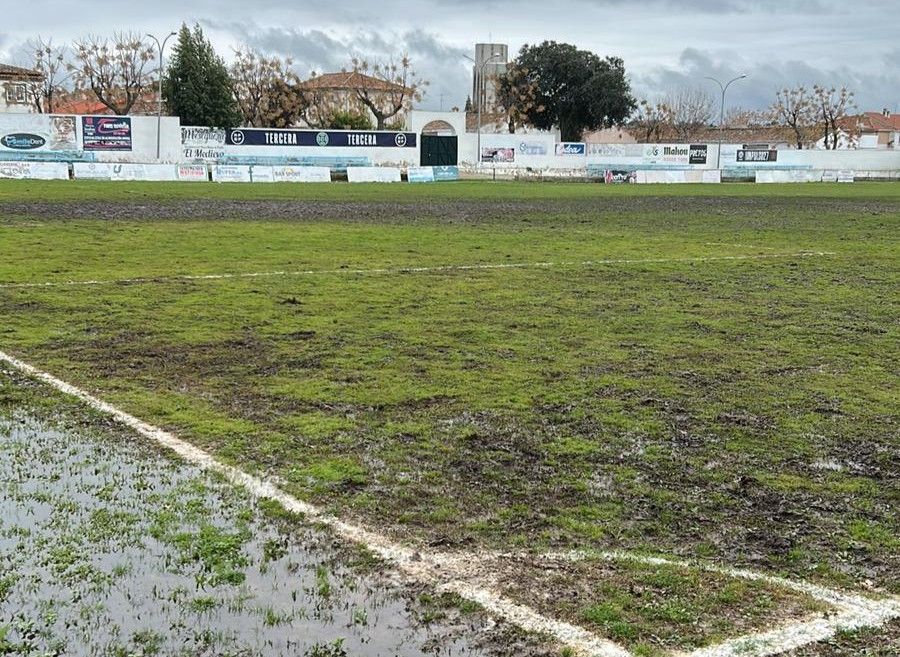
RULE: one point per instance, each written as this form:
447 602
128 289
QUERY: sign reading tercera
757 156
106 133
322 139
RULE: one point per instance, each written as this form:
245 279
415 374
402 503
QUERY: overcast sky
665 43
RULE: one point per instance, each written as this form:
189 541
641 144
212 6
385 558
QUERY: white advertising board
373 174
300 174
34 170
193 172
226 173
202 144
24 133
420 174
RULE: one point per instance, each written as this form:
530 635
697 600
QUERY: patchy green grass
652 609
737 410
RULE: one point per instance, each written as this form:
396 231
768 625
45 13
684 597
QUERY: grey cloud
874 89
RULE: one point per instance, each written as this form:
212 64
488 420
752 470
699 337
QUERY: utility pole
724 88
161 47
481 93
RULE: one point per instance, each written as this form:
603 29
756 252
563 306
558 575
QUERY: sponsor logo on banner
446 173
35 170
757 156
674 154
193 172
106 133
492 154
620 177
202 143
698 154
420 174
323 139
571 148
532 148
615 150
22 141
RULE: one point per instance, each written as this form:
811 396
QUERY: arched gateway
440 146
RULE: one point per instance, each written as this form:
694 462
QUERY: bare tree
50 61
651 122
796 109
115 70
396 87
690 110
833 106
266 89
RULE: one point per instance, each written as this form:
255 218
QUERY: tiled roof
878 122
8 72
348 81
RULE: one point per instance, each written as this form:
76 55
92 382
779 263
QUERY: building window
16 93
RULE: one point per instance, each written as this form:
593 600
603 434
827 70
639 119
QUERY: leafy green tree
573 89
343 120
197 87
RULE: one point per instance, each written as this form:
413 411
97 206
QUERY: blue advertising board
320 138
447 173
106 133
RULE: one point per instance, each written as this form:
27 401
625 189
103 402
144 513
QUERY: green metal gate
439 151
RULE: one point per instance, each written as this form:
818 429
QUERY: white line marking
414 270
455 573
853 612
446 574
741 246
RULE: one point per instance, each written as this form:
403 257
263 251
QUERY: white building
19 87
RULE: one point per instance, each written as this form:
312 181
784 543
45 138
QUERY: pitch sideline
411 270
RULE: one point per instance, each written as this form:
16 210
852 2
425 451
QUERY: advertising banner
420 174
494 154
616 150
373 174
92 171
106 133
750 156
446 174
204 144
193 172
620 177
571 148
299 174
533 148
37 132
34 170
699 154
227 173
680 154
320 138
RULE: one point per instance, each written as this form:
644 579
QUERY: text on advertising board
106 133
261 137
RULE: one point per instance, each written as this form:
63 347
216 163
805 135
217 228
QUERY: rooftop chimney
886 112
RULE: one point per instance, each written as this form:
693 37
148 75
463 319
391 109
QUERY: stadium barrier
34 170
374 174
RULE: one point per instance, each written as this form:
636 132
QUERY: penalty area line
412 270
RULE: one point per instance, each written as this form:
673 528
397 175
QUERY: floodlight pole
724 88
161 47
481 94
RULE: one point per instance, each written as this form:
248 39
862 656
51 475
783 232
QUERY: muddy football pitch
462 419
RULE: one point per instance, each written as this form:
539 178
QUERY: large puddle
109 548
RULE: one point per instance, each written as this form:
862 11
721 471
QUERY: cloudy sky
666 44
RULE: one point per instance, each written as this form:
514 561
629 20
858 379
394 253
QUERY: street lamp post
161 47
724 88
481 94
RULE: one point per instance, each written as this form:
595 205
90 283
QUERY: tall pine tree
197 87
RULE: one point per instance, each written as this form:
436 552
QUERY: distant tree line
548 85
121 72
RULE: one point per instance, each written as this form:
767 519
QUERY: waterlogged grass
742 411
106 549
